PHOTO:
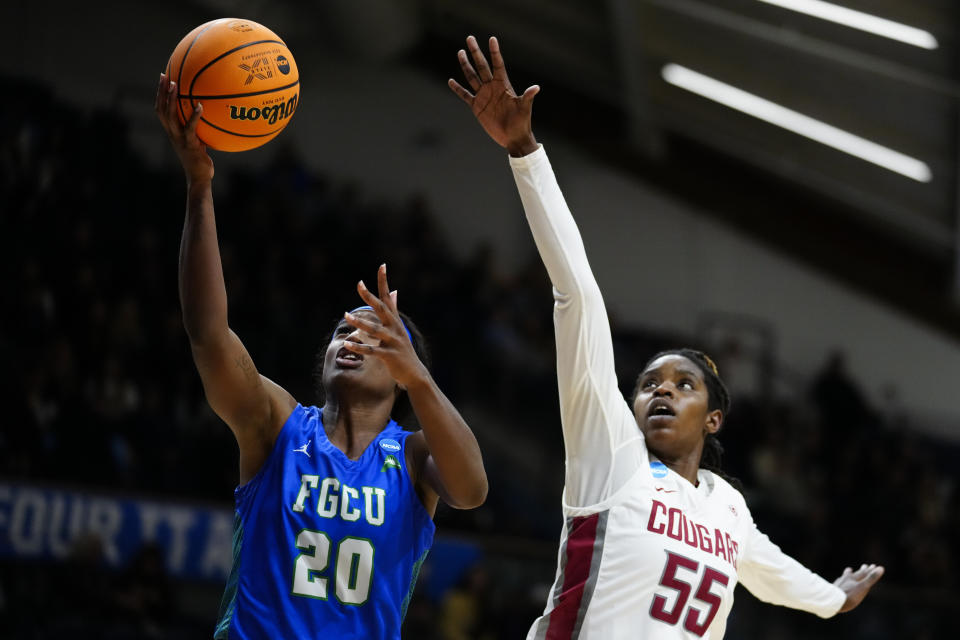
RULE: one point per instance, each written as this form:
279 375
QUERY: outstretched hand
193 155
505 116
856 584
393 346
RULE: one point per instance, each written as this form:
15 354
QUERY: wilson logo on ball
270 114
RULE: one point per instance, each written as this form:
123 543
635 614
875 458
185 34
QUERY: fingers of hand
372 330
472 78
496 61
872 572
156 98
194 120
483 69
528 95
168 105
366 296
162 102
384 289
844 578
462 93
360 347
864 577
382 311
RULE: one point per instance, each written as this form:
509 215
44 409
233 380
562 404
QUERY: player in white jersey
653 543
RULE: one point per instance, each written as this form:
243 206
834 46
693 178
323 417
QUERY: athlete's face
672 407
360 373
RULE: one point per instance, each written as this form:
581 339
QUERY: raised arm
252 406
597 422
445 456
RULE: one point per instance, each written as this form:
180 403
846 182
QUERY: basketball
244 75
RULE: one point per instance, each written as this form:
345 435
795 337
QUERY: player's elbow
471 496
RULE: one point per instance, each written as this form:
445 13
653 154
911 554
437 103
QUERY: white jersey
643 552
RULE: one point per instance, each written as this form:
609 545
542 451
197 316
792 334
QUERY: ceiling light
796 122
860 20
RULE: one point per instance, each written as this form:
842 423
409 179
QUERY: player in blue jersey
335 504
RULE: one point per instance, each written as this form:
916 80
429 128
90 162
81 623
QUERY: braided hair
402 410
717 398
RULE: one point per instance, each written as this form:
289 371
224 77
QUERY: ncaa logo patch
388 444
283 65
658 469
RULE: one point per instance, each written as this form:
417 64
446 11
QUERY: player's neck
686 465
688 471
351 425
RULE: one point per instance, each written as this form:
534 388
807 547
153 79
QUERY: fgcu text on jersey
325 546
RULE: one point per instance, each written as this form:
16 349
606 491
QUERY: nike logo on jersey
666 490
303 449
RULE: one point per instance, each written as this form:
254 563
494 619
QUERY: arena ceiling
827 129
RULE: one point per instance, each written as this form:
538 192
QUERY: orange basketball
244 75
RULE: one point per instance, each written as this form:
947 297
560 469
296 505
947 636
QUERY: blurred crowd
99 389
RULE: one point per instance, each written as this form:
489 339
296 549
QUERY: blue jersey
324 546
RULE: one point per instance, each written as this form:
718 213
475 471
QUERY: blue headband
367 307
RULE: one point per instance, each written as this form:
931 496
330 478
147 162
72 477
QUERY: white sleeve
604 446
774 577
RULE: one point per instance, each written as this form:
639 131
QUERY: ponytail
713 457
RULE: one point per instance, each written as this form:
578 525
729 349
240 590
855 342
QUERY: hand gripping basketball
189 148
244 75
